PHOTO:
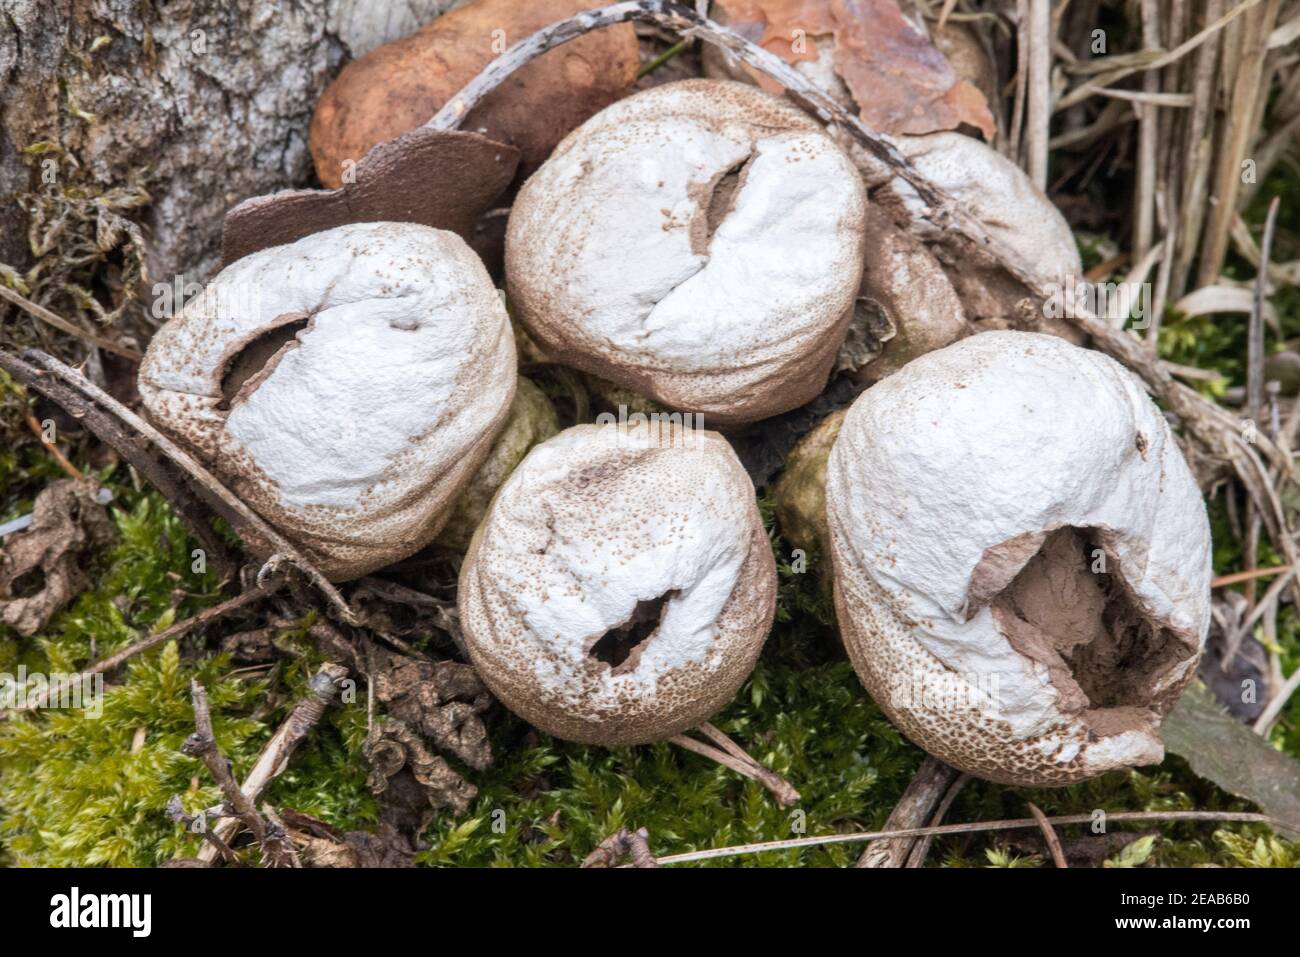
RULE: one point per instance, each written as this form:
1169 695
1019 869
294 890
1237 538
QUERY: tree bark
207 102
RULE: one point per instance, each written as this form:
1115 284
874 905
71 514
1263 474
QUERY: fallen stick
324 690
733 756
971 828
144 644
1049 836
250 526
202 744
63 325
914 809
109 430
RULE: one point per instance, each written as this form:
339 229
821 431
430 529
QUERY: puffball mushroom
906 306
800 493
622 585
532 419
1021 558
401 85
700 242
998 193
346 386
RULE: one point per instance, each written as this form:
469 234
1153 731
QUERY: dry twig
611 851
733 756
324 691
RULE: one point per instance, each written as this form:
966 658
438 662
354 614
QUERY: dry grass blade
1246 91
1038 124
1157 62
1264 723
63 325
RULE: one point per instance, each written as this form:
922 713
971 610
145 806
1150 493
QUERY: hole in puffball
257 359
724 196
716 199
621 647
1070 609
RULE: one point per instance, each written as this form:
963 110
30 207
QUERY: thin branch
323 692
202 744
144 644
1264 723
252 527
1049 836
921 849
971 828
914 809
176 812
63 325
54 450
731 755
112 432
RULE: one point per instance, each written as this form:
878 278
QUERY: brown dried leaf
445 179
321 845
397 754
400 85
899 80
1223 750
440 699
43 567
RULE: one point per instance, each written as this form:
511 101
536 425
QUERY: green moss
77 788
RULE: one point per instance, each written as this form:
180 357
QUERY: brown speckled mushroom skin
353 455
626 257
624 500
1021 558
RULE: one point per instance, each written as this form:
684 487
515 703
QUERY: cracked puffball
700 243
1021 558
346 386
622 585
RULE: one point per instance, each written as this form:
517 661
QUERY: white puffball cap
945 481
356 435
628 255
595 525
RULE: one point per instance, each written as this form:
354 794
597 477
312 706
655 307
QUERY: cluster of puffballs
1018 552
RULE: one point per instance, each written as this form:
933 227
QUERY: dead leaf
322 845
43 567
1223 750
899 80
400 85
440 699
427 705
438 178
394 753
